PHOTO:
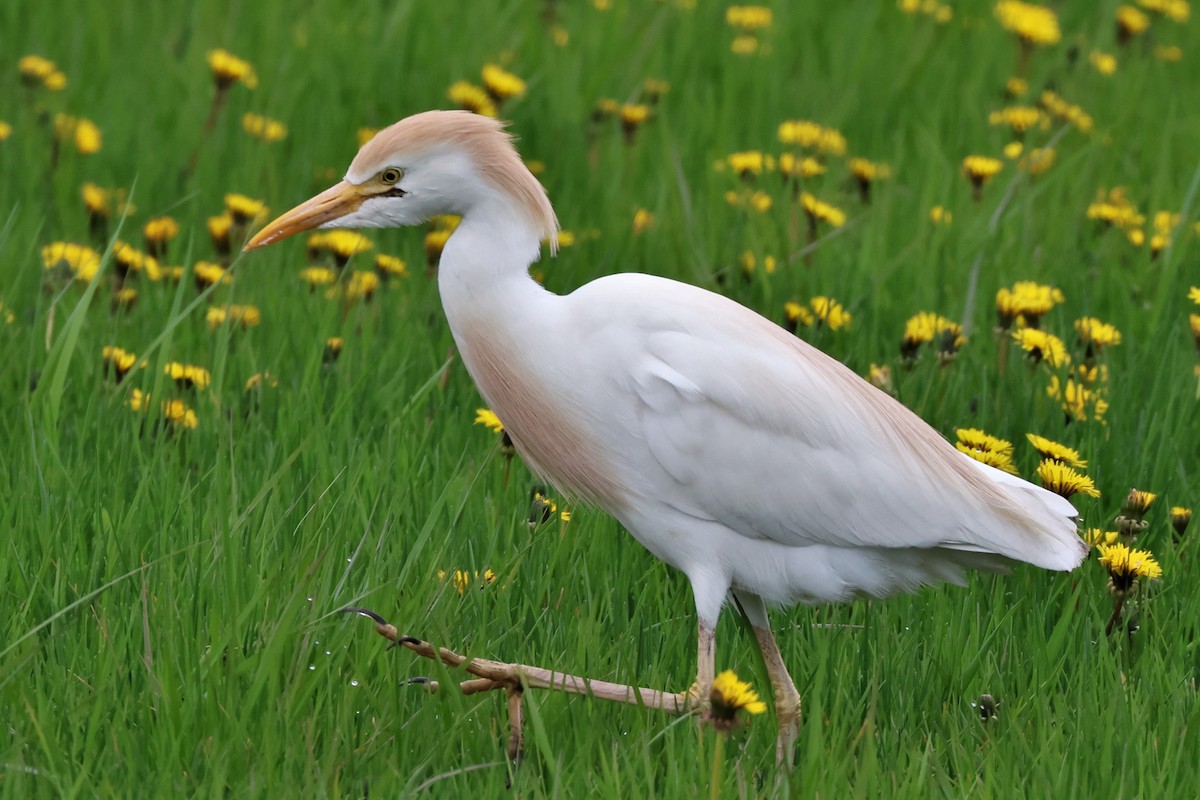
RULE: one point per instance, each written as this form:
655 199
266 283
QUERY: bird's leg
699 697
787 699
516 678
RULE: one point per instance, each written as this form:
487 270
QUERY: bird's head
438 162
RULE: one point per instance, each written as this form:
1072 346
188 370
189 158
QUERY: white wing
773 439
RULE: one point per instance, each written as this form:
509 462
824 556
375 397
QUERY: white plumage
732 450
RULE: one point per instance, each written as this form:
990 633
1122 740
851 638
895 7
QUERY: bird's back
718 415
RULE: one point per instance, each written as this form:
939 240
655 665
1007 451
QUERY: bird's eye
390 175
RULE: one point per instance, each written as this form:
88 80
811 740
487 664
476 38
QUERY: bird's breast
558 439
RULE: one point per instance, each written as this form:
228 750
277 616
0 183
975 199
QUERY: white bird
732 450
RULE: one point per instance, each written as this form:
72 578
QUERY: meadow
178 540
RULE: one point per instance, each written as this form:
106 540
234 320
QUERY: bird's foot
515 679
697 700
788 713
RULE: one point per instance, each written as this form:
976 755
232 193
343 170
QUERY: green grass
170 598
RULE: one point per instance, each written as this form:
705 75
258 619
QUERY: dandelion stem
210 124
714 788
1118 605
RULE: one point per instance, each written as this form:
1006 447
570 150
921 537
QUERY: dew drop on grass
311 667
354 681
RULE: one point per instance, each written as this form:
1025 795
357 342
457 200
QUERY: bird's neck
483 275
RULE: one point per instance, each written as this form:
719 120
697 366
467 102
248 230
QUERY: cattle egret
732 450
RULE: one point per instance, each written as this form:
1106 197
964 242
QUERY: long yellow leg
699 697
787 699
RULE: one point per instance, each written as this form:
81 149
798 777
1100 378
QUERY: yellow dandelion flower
488 418
362 285
996 460
1026 303
264 128
470 97
1012 151
188 376
929 327
749 262
979 170
1059 108
117 361
1038 161
1095 335
243 209
82 262
1130 23
502 84
744 44
1104 63
219 228
731 695
1175 10
435 240
177 412
342 244
1098 536
5 130
829 312
653 89
96 199
241 315
207 274
810 135
124 299
749 163
1137 502
1078 400
1116 209
462 579
1042 346
940 215
128 259
1065 481
988 449
633 116
1181 517
1019 119
881 378
819 210
158 232
318 276
1016 87
1053 451
39 71
261 379
541 508
333 348
796 315
390 266
227 69
1126 565
792 166
1034 24
80 131
643 220
364 135
749 18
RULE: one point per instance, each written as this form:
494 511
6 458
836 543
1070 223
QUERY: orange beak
336 201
